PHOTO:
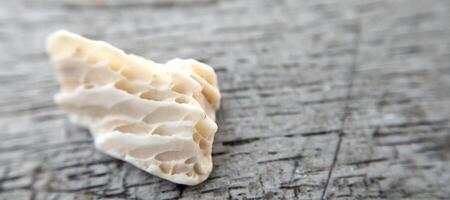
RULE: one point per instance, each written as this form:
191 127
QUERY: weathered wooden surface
321 99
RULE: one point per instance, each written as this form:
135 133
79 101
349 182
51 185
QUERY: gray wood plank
321 99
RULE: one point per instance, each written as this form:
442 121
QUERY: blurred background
321 99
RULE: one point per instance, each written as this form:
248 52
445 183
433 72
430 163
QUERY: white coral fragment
158 117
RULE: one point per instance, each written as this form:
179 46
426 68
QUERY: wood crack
352 74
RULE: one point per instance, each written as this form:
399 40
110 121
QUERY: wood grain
321 99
